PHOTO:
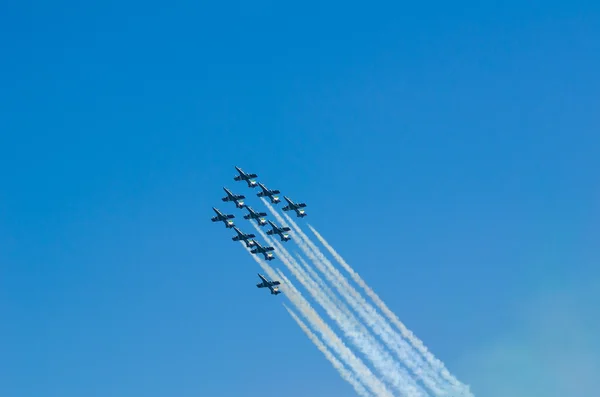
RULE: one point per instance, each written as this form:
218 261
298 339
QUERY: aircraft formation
259 218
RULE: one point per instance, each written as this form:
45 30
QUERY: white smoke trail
351 327
307 268
397 344
337 364
367 377
373 319
406 333
331 339
308 273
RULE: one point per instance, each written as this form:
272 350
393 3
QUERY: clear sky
450 152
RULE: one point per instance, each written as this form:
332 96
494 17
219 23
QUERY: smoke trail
416 342
367 377
364 309
330 337
307 272
337 364
351 327
307 268
397 344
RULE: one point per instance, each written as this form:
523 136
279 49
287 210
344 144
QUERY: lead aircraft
245 177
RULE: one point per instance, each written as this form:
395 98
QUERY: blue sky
448 152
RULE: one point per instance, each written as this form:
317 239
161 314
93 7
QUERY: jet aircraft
245 177
269 193
280 231
236 198
246 238
296 207
223 217
256 215
259 249
269 284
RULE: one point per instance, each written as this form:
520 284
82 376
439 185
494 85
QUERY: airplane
245 177
241 236
256 215
280 231
269 193
259 249
296 207
236 198
269 284
223 217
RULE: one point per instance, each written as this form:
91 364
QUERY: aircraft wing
262 214
275 191
270 232
243 176
231 196
261 249
230 216
243 236
285 229
265 284
214 218
300 205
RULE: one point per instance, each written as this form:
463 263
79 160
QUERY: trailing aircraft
246 238
269 284
225 218
269 193
280 231
245 177
259 249
256 215
296 207
236 198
